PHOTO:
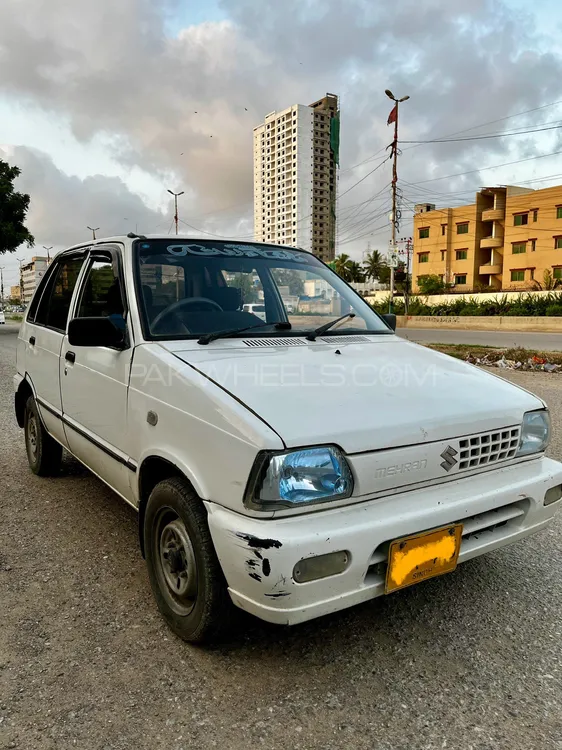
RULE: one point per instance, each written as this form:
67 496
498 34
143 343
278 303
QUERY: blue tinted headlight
535 432
311 475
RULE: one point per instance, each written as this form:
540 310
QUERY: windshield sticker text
237 251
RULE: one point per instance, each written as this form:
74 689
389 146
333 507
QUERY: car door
43 333
94 379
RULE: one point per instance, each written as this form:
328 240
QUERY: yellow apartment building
506 240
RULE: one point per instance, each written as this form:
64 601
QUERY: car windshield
192 287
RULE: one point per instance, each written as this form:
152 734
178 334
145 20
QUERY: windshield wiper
326 327
206 338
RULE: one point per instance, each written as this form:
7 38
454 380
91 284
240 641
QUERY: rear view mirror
390 319
95 332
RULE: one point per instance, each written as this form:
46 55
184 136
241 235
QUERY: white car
290 468
256 309
2 318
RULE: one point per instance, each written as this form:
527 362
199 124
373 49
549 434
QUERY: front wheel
43 452
185 574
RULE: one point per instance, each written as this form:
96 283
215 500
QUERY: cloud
110 68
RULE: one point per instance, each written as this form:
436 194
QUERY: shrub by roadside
525 304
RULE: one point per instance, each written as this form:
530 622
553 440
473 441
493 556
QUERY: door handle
70 357
32 340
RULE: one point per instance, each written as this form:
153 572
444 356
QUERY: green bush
526 304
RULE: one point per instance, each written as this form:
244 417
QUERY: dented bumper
258 557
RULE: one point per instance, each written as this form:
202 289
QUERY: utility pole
21 260
176 219
409 245
393 117
93 230
2 285
48 256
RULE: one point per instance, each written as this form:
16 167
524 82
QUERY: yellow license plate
422 556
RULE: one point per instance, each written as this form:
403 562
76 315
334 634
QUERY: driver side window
101 294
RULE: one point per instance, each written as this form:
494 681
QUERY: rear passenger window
46 281
55 302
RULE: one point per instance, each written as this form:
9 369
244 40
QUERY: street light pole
2 284
93 230
176 218
22 300
393 117
48 256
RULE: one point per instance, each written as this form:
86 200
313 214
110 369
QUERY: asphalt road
547 342
472 660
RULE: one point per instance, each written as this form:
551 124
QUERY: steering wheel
174 308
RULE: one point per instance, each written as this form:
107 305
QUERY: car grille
488 448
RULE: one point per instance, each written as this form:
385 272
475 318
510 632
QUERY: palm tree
355 272
549 283
342 266
373 265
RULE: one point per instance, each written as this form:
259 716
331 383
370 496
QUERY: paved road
471 660
550 342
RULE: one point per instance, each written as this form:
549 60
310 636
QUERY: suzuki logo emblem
448 457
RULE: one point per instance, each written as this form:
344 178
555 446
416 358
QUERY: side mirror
95 332
390 319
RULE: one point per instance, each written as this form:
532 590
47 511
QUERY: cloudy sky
104 105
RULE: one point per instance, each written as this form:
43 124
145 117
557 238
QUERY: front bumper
258 556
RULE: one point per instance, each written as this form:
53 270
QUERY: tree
343 265
431 284
548 282
292 279
355 272
373 265
13 210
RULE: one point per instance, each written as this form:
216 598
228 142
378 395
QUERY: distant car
2 318
255 309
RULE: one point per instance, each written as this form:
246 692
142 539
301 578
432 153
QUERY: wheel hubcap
32 435
177 568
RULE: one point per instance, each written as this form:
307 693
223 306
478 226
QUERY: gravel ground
470 660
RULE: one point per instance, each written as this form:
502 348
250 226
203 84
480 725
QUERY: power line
484 137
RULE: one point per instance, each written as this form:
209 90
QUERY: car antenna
134 236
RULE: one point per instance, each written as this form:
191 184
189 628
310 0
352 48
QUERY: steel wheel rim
176 566
32 435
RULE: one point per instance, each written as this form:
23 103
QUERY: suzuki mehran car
291 466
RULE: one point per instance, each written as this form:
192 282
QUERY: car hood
381 392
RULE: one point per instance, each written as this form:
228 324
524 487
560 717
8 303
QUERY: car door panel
43 338
94 385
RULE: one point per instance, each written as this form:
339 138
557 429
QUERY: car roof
128 239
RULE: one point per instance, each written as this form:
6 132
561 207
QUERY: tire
185 574
43 452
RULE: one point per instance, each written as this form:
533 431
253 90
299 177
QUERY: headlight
535 432
297 478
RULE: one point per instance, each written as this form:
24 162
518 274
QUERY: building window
519 247
559 212
423 232
533 245
532 273
518 275
423 257
557 272
443 229
443 252
462 228
535 214
520 220
460 278
462 254
557 243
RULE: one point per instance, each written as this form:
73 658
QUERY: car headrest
228 297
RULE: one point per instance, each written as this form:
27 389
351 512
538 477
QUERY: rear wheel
43 453
185 574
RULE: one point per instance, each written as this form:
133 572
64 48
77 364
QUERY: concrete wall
482 323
